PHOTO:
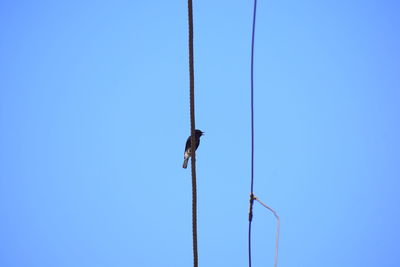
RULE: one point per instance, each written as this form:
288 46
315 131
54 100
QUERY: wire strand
192 126
278 228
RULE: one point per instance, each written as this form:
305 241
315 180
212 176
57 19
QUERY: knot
252 198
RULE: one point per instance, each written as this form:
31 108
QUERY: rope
192 125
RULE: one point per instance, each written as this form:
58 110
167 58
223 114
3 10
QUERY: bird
188 147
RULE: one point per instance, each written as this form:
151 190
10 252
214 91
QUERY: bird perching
188 147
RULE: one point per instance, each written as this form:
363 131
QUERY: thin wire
252 129
278 228
250 220
252 95
192 125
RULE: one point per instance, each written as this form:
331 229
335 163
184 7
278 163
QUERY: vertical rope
252 129
192 125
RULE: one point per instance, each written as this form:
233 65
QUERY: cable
252 129
252 196
252 95
192 125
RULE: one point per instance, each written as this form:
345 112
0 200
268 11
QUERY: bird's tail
185 162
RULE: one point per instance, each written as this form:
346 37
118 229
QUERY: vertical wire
252 96
252 129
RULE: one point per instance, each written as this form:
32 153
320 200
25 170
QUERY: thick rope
193 143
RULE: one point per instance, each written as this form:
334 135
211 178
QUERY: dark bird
188 146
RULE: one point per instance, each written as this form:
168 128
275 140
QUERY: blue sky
94 114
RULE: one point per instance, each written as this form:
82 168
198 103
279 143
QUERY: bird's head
199 133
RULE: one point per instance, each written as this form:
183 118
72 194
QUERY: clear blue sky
94 114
